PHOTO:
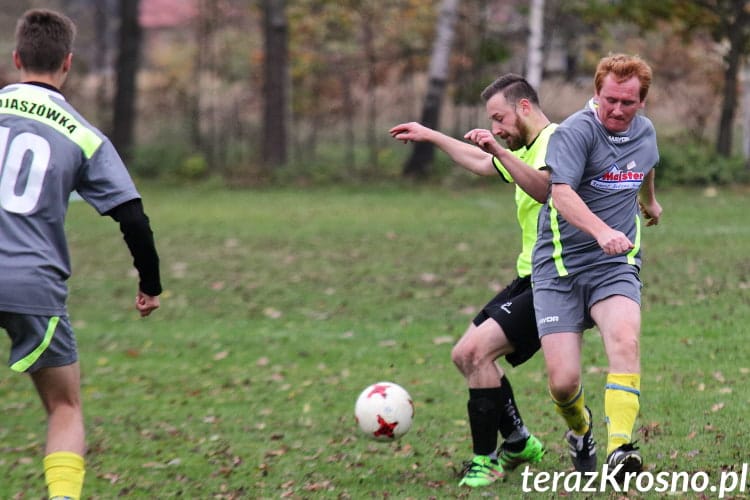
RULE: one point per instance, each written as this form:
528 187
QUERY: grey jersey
606 170
47 151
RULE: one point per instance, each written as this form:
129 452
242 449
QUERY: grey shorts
563 304
39 341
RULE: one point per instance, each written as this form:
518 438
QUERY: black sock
510 422
484 414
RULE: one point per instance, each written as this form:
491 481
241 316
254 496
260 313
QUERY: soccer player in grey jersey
587 257
47 151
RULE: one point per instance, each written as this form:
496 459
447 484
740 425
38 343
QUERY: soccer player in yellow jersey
506 326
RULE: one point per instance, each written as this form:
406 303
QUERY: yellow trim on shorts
25 363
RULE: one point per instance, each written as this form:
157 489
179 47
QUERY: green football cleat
482 471
532 453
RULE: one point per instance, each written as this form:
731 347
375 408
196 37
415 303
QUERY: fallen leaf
446 339
428 278
322 485
276 453
111 477
272 313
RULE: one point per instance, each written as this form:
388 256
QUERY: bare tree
275 83
206 124
128 62
420 161
734 18
746 112
534 60
102 16
368 42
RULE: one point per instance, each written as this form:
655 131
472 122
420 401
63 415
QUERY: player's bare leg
619 320
562 355
59 389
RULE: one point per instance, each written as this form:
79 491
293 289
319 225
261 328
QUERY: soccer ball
384 411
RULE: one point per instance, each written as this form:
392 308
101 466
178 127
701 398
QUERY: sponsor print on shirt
616 179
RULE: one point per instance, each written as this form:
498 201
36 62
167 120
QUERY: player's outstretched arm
464 154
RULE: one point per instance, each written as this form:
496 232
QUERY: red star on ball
386 428
378 389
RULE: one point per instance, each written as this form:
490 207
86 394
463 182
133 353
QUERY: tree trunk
101 61
372 105
274 146
349 125
729 103
746 112
128 61
737 27
418 165
534 60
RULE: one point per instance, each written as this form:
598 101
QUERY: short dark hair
44 38
514 88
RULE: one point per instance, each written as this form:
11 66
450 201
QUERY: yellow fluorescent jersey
527 208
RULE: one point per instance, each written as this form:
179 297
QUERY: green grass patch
280 306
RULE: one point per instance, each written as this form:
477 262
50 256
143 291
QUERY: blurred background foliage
350 69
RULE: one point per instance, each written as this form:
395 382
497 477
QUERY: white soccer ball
384 411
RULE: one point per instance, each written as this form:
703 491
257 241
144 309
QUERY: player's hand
614 242
484 139
411 131
651 212
145 303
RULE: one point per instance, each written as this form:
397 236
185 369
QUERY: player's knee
624 352
458 357
564 385
466 357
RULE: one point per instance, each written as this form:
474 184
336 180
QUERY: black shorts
513 309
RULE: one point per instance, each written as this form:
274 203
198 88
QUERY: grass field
280 306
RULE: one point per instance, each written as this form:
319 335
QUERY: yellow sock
621 405
63 472
574 412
